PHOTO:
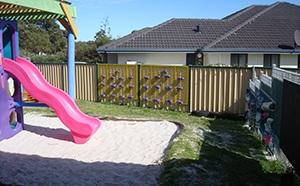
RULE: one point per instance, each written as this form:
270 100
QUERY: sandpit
120 153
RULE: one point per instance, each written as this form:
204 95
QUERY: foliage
41 36
86 52
225 65
242 66
103 36
218 65
44 41
41 58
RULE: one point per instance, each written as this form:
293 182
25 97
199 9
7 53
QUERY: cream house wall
286 60
257 60
153 58
253 59
214 58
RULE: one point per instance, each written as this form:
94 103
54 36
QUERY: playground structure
15 70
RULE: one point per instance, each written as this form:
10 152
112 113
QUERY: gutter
146 50
251 51
231 51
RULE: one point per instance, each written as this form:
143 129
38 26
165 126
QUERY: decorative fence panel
118 83
164 87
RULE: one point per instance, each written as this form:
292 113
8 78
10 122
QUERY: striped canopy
34 9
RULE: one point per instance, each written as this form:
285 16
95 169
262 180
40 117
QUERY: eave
252 51
231 51
146 50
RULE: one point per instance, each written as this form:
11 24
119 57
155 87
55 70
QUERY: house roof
255 28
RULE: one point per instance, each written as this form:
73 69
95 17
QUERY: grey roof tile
273 28
254 27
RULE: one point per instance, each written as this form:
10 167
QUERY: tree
46 36
41 36
86 52
103 36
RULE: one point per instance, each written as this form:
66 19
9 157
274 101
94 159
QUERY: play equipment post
71 63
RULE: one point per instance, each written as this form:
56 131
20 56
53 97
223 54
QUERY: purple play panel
7 104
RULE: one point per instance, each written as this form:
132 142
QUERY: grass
207 152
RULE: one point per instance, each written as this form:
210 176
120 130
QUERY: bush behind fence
183 88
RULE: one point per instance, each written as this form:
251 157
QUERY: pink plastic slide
81 126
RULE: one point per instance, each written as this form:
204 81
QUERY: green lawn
207 152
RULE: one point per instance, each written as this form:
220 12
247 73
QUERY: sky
124 16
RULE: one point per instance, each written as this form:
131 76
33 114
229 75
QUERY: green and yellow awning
39 9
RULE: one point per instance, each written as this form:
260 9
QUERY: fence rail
215 89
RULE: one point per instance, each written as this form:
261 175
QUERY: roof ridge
241 25
146 31
239 13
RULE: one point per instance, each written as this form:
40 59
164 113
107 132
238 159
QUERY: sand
120 153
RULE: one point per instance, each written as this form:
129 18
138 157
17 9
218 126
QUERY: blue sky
124 16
